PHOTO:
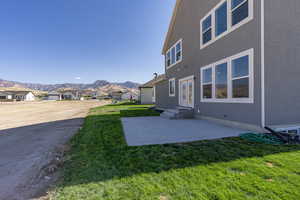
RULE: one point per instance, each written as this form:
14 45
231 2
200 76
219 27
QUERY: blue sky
56 41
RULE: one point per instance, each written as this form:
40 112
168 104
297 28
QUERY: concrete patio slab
157 130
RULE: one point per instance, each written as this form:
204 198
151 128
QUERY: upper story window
227 16
174 54
168 59
221 19
172 87
240 11
206 30
229 80
178 52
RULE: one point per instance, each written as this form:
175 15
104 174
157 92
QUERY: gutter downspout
263 111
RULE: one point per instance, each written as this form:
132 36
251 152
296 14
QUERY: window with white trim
229 80
206 30
221 81
178 51
240 77
221 19
168 59
239 11
207 83
172 87
174 54
224 18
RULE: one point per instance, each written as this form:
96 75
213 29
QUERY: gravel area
32 138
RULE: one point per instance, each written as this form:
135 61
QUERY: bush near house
102 166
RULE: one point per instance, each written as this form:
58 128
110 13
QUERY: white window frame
210 83
230 28
228 78
192 77
154 94
170 49
170 81
229 98
214 19
210 28
168 58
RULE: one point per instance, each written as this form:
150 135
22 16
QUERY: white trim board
170 80
154 94
187 78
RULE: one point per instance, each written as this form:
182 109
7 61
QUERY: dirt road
30 133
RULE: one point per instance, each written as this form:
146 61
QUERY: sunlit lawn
102 166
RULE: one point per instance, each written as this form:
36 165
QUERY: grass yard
101 166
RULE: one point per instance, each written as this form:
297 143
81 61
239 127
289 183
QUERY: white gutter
263 109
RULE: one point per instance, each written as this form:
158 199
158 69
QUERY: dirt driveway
30 133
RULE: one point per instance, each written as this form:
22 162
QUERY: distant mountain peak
101 82
129 84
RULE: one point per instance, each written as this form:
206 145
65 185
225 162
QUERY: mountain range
54 87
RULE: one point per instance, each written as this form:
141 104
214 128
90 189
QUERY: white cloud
77 78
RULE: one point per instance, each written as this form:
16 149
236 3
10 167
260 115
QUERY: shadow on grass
138 112
126 103
100 152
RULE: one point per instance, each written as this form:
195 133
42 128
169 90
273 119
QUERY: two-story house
234 61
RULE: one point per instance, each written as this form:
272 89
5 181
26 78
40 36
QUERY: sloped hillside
51 87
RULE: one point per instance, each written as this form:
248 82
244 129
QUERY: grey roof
53 93
151 83
5 93
15 92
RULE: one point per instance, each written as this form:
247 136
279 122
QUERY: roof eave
171 25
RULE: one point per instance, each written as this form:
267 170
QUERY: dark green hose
261 138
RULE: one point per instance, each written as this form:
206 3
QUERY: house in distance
17 96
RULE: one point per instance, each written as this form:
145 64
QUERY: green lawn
101 166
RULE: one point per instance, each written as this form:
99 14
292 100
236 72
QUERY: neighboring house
104 97
234 61
63 95
54 96
94 95
87 94
129 96
69 95
101 95
148 90
24 96
116 95
6 96
17 96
